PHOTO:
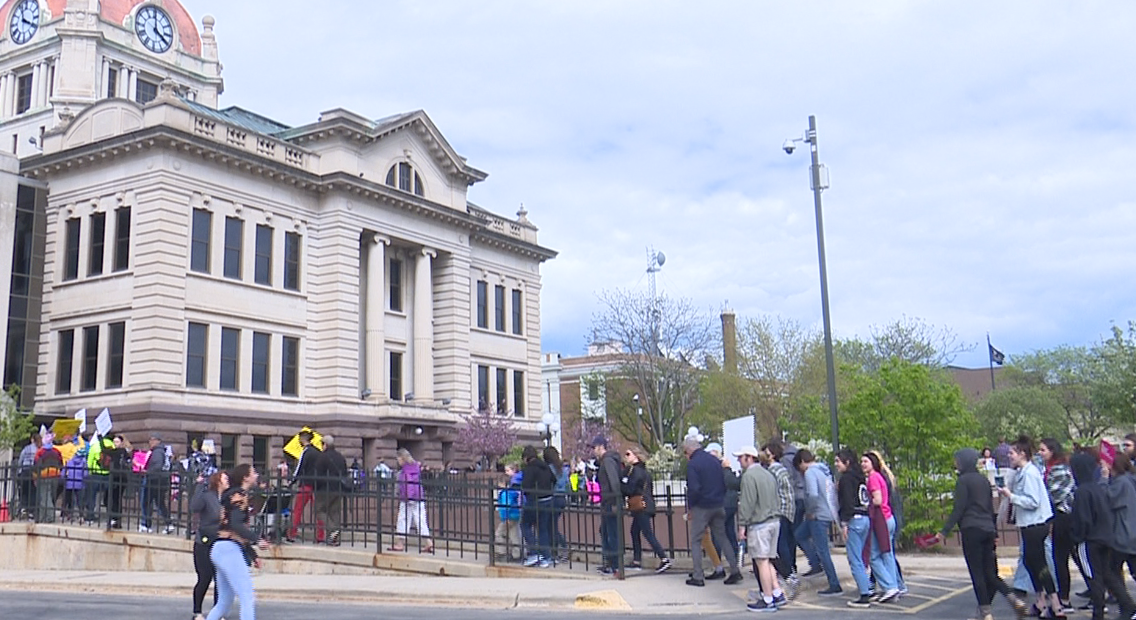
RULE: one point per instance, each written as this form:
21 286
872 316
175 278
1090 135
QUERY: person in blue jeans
609 476
536 518
233 547
812 534
852 496
560 472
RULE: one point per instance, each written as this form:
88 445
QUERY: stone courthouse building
209 272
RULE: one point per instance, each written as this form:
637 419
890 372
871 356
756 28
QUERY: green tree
1029 409
724 396
1078 378
15 426
917 418
1117 380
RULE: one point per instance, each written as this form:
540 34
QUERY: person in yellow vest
98 475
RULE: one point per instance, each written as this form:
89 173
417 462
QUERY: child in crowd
508 534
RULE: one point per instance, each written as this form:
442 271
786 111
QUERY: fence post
493 531
380 484
619 539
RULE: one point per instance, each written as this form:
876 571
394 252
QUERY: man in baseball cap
759 519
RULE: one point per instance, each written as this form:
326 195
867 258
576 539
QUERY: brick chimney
729 341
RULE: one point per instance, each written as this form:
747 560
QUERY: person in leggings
1029 501
974 514
206 507
232 549
1091 528
1122 501
1060 484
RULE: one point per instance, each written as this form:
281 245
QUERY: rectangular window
122 239
228 451
395 375
260 356
97 244
292 261
482 387
290 371
117 351
483 304
499 308
23 93
64 361
260 456
405 174
71 260
90 358
145 92
234 233
518 311
196 355
112 83
202 232
230 357
502 390
519 393
263 259
396 285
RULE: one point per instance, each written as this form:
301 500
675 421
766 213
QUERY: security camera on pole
819 181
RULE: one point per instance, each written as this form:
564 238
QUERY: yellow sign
65 428
293 447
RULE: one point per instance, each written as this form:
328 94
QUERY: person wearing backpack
98 474
330 484
560 471
47 471
812 534
119 459
156 484
508 533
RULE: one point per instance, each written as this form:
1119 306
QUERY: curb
602 600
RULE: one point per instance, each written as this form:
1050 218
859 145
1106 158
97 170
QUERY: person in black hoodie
536 520
852 497
1091 525
1122 500
974 515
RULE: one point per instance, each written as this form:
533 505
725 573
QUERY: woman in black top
229 551
206 506
638 483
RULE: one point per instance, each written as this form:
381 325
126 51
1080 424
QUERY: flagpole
990 356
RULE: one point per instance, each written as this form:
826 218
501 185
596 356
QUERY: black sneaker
604 570
830 592
733 578
718 574
762 606
664 565
695 582
864 602
813 572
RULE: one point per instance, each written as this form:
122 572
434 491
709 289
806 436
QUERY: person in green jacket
760 521
98 475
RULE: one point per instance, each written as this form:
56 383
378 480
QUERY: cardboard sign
293 447
81 416
1107 452
65 428
103 424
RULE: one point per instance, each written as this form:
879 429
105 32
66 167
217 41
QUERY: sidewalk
641 592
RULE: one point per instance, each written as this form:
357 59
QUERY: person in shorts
760 522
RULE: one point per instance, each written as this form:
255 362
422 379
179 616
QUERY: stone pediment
106 119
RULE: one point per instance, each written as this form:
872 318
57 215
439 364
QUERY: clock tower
59 56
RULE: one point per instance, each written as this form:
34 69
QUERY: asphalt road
951 604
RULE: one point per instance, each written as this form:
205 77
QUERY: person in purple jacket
74 471
411 503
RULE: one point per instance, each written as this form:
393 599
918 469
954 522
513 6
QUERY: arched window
404 177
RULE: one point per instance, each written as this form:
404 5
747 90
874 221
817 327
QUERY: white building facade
210 272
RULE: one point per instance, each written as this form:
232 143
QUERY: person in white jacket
1031 510
812 533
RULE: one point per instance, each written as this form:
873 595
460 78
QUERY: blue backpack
509 504
561 486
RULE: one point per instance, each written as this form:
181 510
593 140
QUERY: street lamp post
547 427
819 182
638 421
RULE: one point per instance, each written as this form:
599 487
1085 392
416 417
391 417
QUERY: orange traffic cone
4 518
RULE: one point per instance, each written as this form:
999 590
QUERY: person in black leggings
1060 484
206 506
1029 501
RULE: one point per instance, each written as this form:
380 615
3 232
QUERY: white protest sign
102 423
81 416
42 430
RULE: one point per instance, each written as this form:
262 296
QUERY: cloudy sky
981 154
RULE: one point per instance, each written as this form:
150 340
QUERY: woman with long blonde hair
896 501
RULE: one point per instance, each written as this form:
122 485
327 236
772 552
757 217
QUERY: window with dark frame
23 93
200 238
71 259
117 353
290 367
263 259
261 349
230 358
483 304
228 458
64 361
90 376
97 244
112 83
405 176
519 393
196 354
122 239
518 311
499 308
395 285
395 375
502 390
292 261
145 92
482 387
260 456
234 242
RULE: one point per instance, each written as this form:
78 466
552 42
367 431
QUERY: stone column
376 316
37 81
132 94
5 94
104 84
424 326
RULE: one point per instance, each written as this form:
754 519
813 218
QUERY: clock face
24 22
154 29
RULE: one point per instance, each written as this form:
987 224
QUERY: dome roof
116 12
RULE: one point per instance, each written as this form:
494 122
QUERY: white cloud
979 152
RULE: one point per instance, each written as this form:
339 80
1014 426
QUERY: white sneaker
532 560
144 529
170 529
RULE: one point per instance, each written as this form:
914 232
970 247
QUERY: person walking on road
787 511
1029 501
156 484
609 476
638 484
812 535
853 501
206 506
1092 523
537 481
233 548
304 476
757 515
705 499
881 530
411 503
331 478
974 515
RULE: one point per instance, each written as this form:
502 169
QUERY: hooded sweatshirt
1091 519
817 477
974 507
852 491
1122 497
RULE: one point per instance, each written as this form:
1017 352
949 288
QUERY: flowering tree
580 433
487 434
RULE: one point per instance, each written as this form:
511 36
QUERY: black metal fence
459 515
